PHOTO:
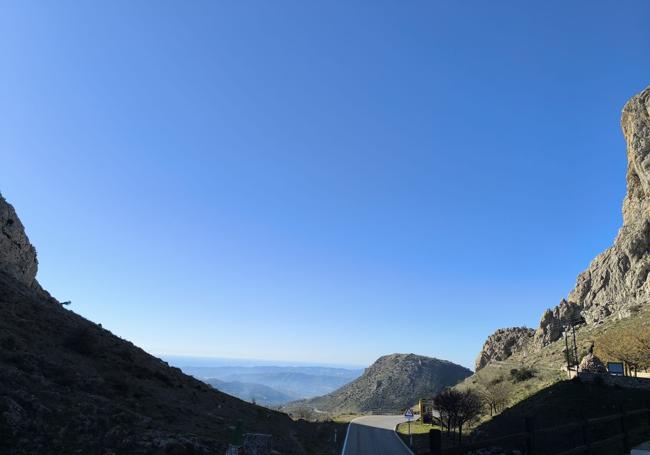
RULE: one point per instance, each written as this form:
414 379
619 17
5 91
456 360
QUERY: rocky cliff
391 384
616 282
17 255
502 343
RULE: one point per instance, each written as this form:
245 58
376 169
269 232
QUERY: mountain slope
392 383
67 385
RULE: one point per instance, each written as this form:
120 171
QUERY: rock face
617 280
17 255
391 384
553 321
502 343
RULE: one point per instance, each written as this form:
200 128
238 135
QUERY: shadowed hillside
69 386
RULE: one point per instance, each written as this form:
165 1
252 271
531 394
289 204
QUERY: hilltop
393 383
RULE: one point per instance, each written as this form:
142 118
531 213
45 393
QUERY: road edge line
347 432
400 439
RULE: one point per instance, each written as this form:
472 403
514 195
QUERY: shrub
522 374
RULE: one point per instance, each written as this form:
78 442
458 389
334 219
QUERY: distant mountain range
393 383
254 393
274 385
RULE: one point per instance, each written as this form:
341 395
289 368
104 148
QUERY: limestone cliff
616 281
502 343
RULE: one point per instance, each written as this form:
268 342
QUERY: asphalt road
374 435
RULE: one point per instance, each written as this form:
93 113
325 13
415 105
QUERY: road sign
408 414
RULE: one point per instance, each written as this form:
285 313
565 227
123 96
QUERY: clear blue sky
317 181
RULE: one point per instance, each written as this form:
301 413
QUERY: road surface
374 435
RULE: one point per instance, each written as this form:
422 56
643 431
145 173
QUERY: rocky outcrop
17 255
616 282
502 343
554 321
592 364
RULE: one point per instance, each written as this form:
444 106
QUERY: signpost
409 416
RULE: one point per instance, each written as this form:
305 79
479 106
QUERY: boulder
592 364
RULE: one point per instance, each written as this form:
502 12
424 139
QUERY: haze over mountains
273 385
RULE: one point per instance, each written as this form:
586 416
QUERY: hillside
67 385
392 383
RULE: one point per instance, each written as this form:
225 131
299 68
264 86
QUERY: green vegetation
628 342
420 434
416 428
345 418
522 374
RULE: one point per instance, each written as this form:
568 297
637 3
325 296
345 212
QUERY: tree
468 410
447 403
629 343
457 409
496 396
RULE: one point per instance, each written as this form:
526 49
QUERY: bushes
522 374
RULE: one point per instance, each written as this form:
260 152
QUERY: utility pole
567 353
575 346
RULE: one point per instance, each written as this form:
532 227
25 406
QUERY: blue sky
316 181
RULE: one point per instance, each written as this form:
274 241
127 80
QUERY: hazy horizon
188 360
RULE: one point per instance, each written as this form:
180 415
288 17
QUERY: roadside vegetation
420 433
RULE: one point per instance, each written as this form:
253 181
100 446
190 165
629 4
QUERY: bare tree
496 395
447 403
457 409
469 409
